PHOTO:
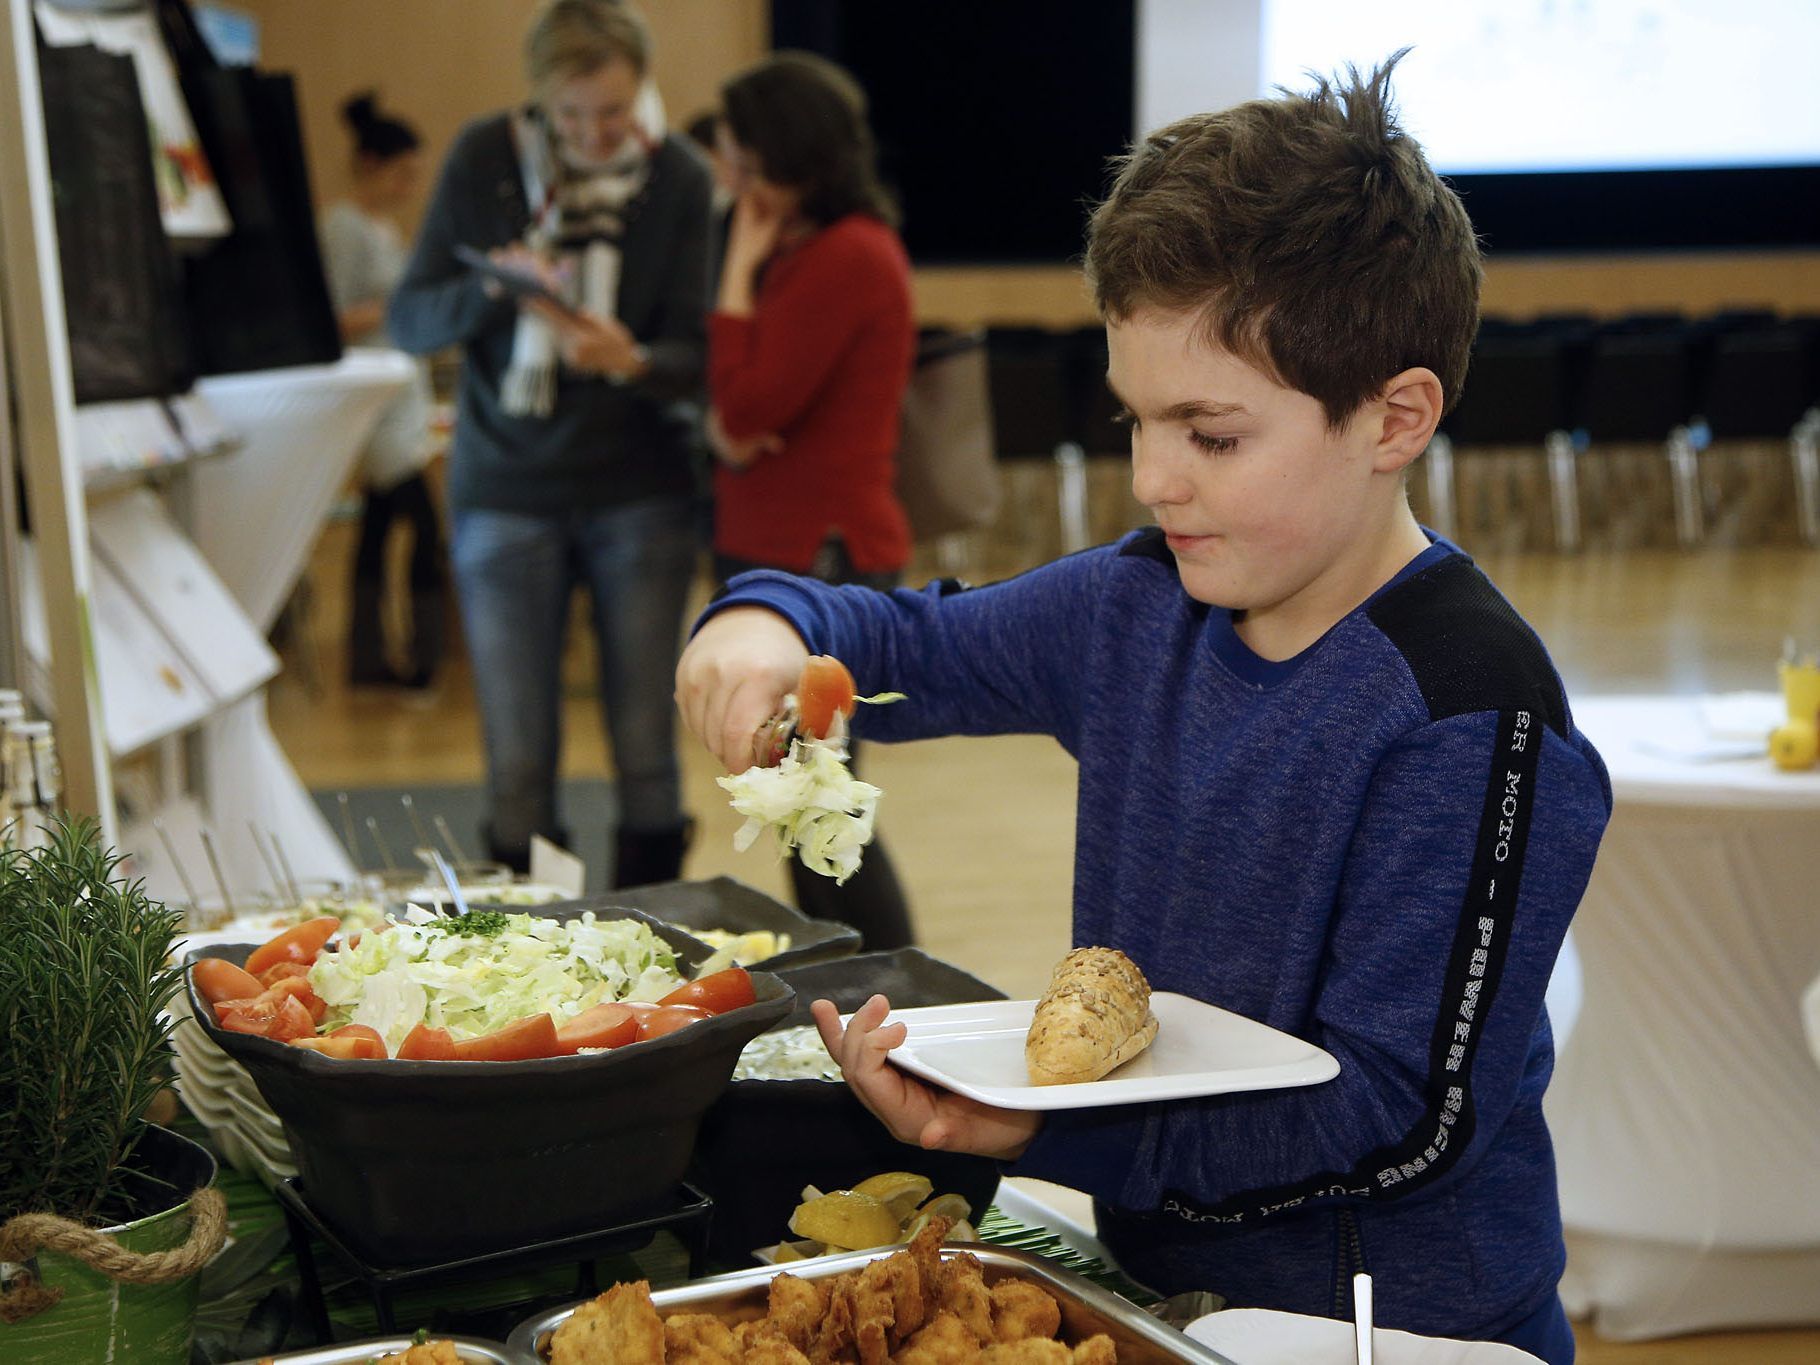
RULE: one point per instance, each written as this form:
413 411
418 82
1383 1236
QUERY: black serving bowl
420 1162
763 1141
724 903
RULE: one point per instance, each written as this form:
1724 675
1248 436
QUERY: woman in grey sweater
571 459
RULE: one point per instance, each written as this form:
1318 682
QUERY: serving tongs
447 874
1361 1318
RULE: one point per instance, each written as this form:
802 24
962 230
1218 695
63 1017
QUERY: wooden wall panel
442 62
439 63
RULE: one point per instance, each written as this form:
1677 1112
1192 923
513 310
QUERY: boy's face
1265 508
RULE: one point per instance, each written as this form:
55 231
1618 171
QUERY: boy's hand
732 680
923 1115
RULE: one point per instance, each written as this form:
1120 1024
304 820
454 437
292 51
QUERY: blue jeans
514 573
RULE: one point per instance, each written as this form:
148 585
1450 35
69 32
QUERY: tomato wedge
274 1015
668 1018
299 989
361 1032
716 993
426 1044
300 944
519 1041
281 971
825 690
218 979
610 1025
345 1046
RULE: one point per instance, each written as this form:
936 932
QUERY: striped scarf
578 222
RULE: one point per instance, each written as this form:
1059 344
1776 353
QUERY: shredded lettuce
811 800
813 803
426 969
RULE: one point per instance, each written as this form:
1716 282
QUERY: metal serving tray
472 1350
1086 1308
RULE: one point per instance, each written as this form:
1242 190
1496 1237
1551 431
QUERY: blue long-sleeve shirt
1376 846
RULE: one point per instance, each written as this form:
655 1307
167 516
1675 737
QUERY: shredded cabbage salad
787 1054
482 971
813 803
811 800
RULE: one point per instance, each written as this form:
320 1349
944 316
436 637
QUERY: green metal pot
99 1319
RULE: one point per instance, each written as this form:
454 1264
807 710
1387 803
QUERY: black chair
1033 415
1637 386
1519 391
1761 382
1096 411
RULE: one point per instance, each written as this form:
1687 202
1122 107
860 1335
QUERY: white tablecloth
258 513
1686 1104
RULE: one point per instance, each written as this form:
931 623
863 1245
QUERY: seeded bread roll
1094 1017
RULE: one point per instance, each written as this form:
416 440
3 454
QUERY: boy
1328 777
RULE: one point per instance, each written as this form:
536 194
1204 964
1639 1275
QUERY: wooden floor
982 830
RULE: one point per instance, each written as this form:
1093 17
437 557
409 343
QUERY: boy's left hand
922 1115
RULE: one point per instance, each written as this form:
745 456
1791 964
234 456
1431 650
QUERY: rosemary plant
84 1042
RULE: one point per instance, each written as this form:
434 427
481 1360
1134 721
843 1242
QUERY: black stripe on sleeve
1475 964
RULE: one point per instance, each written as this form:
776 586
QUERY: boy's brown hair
1310 234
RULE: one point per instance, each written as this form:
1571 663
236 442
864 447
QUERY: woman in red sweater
809 353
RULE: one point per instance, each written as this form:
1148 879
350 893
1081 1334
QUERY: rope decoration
28 1233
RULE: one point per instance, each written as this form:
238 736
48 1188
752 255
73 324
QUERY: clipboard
515 282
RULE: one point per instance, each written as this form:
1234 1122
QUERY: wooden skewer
227 898
170 851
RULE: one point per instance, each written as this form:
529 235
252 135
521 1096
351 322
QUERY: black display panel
995 119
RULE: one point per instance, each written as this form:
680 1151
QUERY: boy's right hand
732 680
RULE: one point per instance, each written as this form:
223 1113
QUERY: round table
1686 1103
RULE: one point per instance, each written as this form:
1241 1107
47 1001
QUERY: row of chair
1564 384
1570 385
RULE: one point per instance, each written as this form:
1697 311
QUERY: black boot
428 633
367 666
644 856
517 856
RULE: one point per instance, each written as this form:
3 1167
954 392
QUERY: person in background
571 457
810 348
704 132
364 256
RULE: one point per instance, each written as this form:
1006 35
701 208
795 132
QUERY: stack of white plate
218 1091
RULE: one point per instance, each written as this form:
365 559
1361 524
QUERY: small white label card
553 865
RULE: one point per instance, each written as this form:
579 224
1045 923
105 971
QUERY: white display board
171 645
258 513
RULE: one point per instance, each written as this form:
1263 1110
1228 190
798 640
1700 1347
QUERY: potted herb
105 1220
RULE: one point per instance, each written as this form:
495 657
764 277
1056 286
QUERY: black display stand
688 1217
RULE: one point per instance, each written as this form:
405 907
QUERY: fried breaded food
961 1290
1021 1310
1095 1016
833 1342
943 1340
1030 1351
764 1345
888 1305
699 1339
914 1307
424 1353
796 1308
621 1327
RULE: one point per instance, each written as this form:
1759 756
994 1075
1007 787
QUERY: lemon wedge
846 1219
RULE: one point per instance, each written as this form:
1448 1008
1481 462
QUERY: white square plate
1200 1049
